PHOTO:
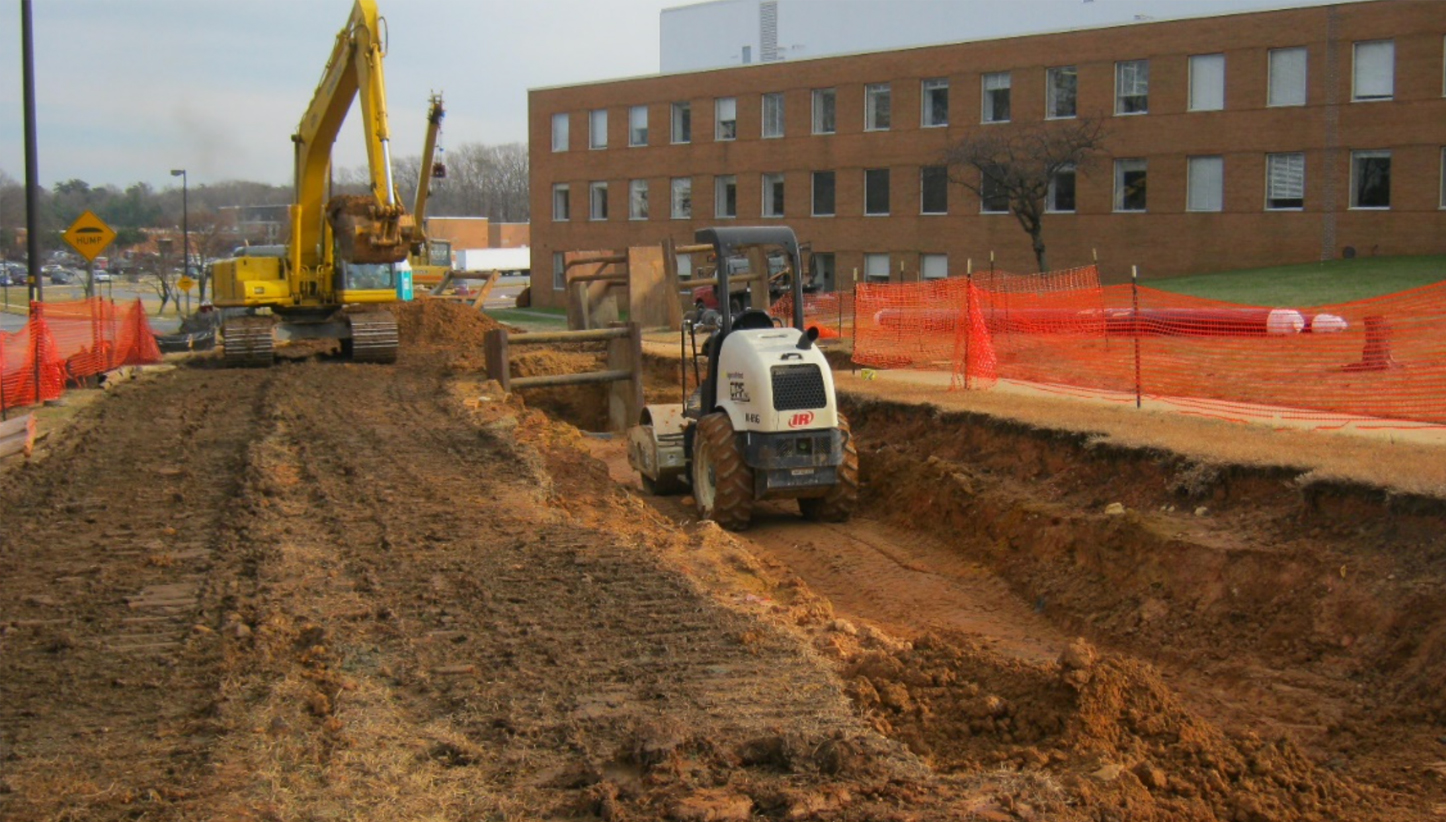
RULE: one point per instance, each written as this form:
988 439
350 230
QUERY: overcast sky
129 89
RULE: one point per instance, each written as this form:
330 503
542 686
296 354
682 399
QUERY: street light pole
185 231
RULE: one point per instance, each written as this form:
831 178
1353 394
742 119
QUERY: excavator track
373 337
247 342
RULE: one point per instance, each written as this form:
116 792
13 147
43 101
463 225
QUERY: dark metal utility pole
185 232
32 165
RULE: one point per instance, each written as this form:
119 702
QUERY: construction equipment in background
346 257
763 422
430 258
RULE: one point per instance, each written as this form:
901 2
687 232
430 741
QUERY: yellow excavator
346 257
431 258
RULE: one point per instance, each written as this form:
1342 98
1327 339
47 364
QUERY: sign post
89 235
186 284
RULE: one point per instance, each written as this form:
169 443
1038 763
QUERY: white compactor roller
762 422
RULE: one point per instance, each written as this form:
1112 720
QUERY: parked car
103 276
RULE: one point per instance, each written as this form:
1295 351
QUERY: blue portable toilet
404 281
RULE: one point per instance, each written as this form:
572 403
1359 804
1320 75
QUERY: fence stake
1135 326
4 406
853 367
969 318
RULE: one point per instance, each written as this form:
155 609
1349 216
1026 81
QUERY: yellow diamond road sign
186 284
89 235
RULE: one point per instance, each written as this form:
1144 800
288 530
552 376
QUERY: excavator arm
371 229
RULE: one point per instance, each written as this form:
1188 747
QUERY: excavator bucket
368 232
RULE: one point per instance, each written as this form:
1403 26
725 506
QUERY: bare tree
1017 165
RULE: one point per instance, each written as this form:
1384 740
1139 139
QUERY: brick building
1233 141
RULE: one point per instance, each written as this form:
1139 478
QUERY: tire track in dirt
904 583
436 606
108 543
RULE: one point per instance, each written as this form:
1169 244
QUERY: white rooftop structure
738 32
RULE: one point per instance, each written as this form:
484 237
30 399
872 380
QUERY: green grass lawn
1311 284
532 319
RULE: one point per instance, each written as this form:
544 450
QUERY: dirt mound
439 323
1107 729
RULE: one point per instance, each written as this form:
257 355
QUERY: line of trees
482 181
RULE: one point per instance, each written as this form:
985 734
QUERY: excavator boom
376 228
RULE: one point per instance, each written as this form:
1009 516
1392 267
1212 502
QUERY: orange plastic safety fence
830 312
71 340
1383 358
915 325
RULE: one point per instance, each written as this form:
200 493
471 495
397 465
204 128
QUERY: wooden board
17 435
652 300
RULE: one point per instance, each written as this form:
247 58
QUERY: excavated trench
1246 612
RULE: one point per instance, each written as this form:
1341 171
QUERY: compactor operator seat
752 318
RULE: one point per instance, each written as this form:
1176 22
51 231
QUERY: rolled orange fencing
69 341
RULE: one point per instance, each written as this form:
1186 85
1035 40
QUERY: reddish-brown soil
326 590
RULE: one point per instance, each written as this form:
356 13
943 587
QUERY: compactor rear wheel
838 504
247 342
722 481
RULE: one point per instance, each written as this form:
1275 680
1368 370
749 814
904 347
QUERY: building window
559 271
597 197
1207 82
1061 85
996 97
682 198
1285 181
1132 87
773 114
1287 77
773 195
597 131
823 193
993 195
638 126
934 266
1130 184
1060 197
561 209
726 127
682 122
876 191
877 99
1370 179
1374 77
823 111
559 132
934 190
725 196
876 268
1205 186
1443 178
638 200
935 100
